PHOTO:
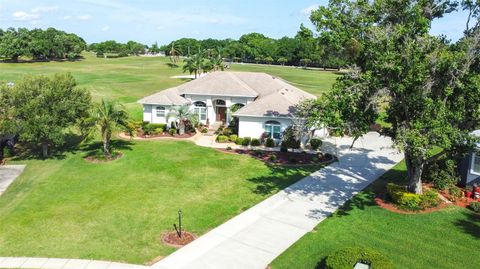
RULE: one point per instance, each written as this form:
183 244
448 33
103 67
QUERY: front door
221 114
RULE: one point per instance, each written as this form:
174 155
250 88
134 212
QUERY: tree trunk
44 150
414 174
106 144
181 127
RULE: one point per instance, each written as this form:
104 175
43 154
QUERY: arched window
200 109
273 129
160 111
220 102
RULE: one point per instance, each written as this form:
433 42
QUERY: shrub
270 142
204 130
255 142
442 172
283 148
315 143
412 201
272 157
475 206
158 131
239 141
246 141
227 132
455 193
229 148
347 258
233 138
289 139
429 199
328 156
172 131
222 139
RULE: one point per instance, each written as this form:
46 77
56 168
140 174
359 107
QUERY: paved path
51 263
8 173
257 236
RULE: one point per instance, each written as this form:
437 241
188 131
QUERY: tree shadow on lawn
471 224
29 151
97 146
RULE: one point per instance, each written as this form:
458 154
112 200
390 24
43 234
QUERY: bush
227 132
289 139
475 206
222 139
158 131
455 193
255 142
347 258
233 138
442 172
239 141
412 201
315 143
270 143
272 157
429 199
246 141
204 130
229 148
172 131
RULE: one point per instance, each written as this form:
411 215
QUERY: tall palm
182 115
217 60
106 117
197 64
174 54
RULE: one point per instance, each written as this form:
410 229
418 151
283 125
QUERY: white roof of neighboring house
274 96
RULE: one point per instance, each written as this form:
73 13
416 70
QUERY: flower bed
285 158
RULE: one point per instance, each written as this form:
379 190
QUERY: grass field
70 208
129 79
447 239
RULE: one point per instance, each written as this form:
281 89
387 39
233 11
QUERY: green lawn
131 78
68 208
449 238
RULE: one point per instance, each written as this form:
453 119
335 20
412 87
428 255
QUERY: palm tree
217 61
106 117
182 114
174 54
197 64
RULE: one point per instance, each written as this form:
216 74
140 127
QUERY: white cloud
24 16
85 17
308 10
68 17
43 9
105 28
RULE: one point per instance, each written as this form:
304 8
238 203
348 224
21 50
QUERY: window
200 109
476 163
160 111
272 129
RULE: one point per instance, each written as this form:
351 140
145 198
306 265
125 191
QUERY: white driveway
257 236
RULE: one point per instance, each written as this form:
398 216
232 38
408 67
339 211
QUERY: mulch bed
284 158
95 159
172 239
385 204
185 135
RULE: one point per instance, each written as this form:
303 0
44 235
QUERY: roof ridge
242 83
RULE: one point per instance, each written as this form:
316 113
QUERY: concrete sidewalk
257 236
8 173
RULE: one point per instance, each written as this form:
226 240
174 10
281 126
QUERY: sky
149 21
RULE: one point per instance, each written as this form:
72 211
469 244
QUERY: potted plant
469 192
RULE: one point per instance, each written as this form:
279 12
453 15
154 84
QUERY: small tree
106 117
182 115
268 60
40 108
282 61
305 62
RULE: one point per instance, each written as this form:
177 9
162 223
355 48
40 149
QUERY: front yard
449 238
70 208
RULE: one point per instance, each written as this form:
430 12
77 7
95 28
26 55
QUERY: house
469 167
261 103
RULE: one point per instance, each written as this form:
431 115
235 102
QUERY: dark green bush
255 142
158 131
289 139
270 143
315 143
229 148
272 157
246 141
204 130
475 206
442 172
172 131
222 139
150 128
347 258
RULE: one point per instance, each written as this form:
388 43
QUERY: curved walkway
53 263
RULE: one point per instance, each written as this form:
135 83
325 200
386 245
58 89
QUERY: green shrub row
412 201
153 128
347 258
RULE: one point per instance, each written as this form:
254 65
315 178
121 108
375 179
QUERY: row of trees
428 87
42 109
304 49
39 44
112 46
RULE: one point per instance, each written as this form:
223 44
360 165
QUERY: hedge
347 258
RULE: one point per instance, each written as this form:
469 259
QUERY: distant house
469 168
262 103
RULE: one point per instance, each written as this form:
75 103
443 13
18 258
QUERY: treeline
304 49
39 44
120 49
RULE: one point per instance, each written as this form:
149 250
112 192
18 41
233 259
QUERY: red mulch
94 159
393 208
284 158
185 135
172 239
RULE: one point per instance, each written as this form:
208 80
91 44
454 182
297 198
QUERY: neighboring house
262 103
469 168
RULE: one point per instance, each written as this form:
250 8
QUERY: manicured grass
449 238
129 79
69 208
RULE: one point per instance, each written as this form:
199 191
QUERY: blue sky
148 21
